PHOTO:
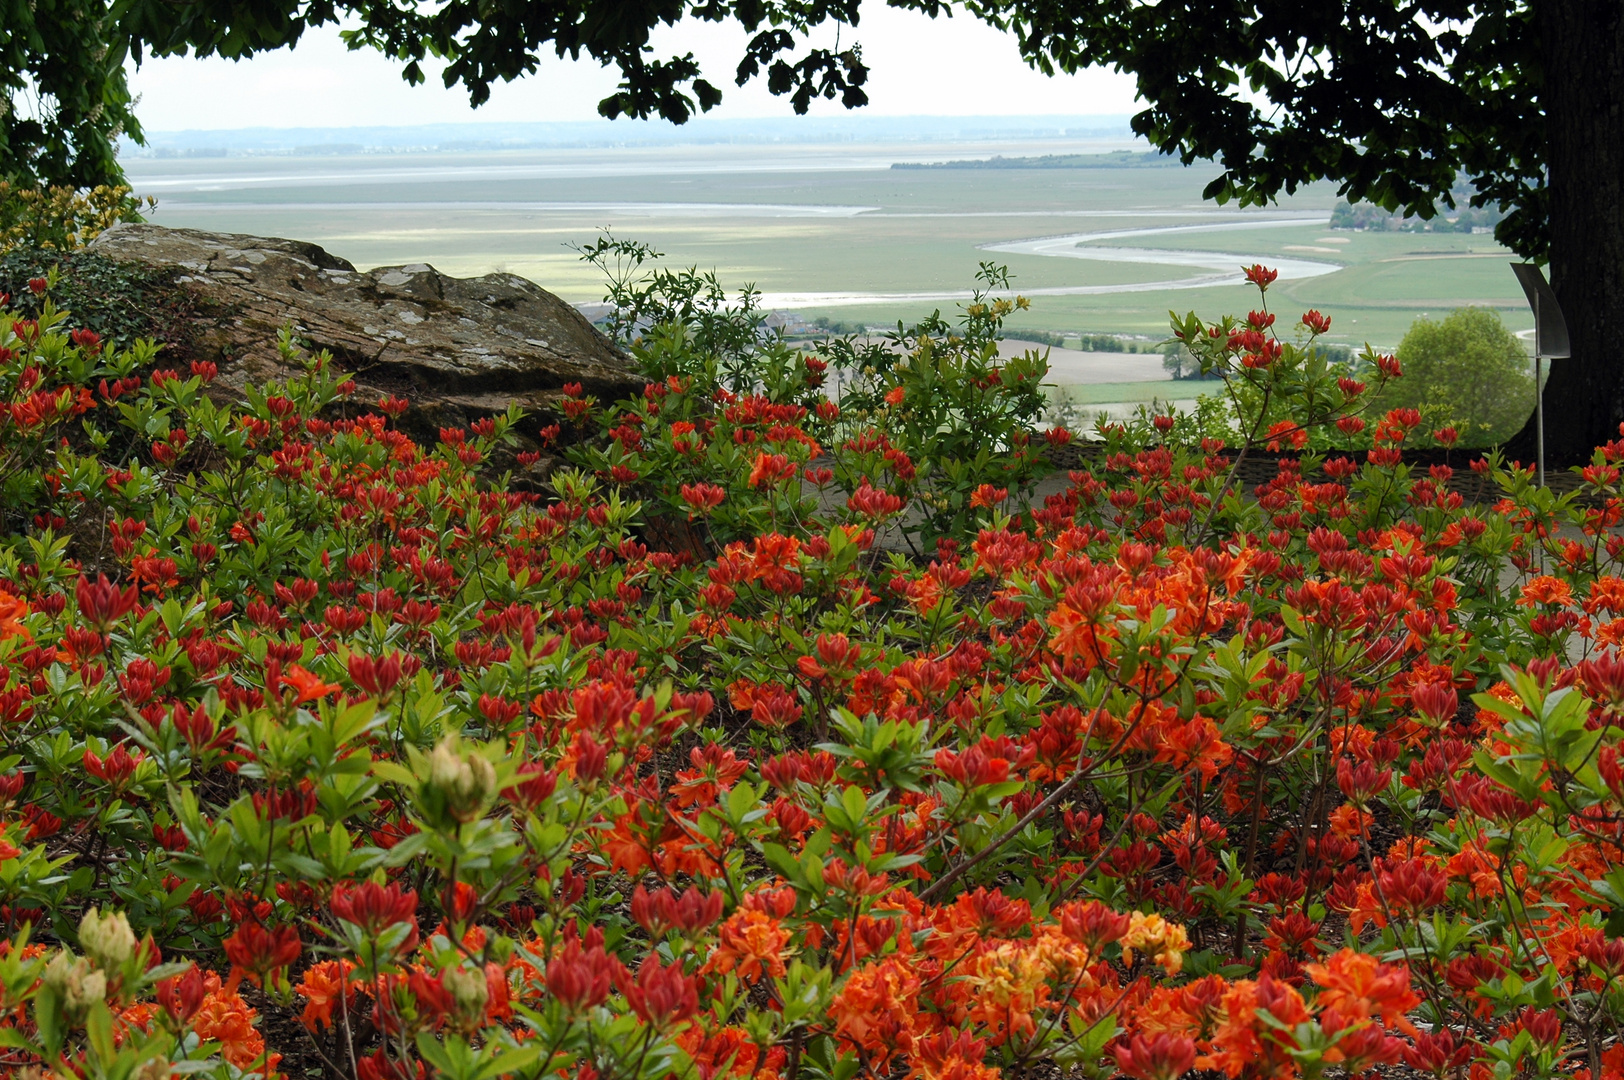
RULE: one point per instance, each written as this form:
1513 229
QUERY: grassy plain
809 220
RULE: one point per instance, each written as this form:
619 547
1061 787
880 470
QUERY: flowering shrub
326 753
61 218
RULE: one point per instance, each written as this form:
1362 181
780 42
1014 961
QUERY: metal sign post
1550 342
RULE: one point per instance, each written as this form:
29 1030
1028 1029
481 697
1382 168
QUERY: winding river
1221 268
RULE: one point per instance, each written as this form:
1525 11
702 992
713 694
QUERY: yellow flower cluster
62 217
1164 942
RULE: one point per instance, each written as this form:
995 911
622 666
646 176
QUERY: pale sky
919 67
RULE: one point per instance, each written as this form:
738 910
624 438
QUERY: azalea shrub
765 744
62 218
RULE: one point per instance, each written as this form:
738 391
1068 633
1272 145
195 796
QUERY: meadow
834 231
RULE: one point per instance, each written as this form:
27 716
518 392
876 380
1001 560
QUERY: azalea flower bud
102 603
1093 924
182 995
107 939
591 758
374 908
1435 702
1361 782
1160 1057
463 778
1410 885
1437 1052
469 993
534 786
1260 275
76 983
156 1068
662 996
580 978
258 951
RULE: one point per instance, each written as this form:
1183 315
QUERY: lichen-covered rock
457 348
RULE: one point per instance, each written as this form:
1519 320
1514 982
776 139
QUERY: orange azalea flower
1358 986
1349 822
12 610
1006 984
751 943
1354 739
1481 869
1606 594
1245 1044
1166 1011
729 1052
769 469
308 686
225 1018
628 844
321 987
878 1009
137 1017
1195 743
986 496
1076 636
1546 590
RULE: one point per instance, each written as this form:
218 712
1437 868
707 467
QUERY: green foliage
1180 363
119 301
954 417
64 100
682 323
929 415
1466 371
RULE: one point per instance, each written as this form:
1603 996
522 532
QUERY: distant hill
1120 159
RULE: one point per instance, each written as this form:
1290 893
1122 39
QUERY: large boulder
457 348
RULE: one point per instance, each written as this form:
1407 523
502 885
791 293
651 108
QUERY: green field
1142 392
828 220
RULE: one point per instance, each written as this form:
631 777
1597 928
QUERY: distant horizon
499 135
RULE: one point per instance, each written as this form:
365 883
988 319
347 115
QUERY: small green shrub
1466 371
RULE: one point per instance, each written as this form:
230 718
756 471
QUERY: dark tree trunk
1583 100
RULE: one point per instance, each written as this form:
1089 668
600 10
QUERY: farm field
834 231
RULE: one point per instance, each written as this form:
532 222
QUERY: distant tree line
1364 216
1084 342
1178 362
1118 159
